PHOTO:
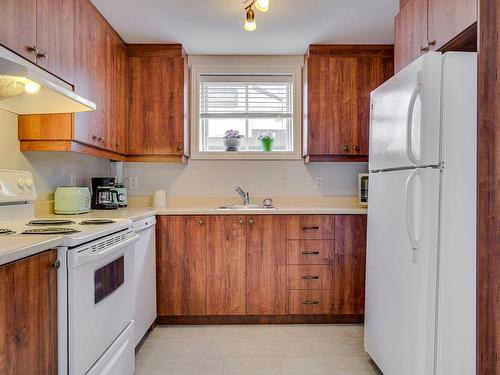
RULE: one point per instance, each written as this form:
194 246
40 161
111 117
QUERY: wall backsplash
261 178
49 169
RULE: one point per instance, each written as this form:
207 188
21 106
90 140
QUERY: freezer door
405 117
401 270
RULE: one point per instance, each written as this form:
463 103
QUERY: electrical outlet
318 183
134 183
72 180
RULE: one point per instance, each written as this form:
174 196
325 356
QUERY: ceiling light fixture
262 5
32 87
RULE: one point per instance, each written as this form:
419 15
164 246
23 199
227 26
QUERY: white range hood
28 89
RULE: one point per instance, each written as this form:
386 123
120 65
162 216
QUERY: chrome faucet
244 196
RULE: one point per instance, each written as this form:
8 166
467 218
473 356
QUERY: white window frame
295 71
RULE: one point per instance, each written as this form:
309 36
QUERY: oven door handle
77 259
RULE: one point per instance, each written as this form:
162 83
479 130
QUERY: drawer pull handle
310 302
310 277
311 228
310 253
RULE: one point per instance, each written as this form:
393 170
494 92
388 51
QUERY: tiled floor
254 350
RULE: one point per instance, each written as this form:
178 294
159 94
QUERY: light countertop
13 248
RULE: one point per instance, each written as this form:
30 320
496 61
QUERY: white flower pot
232 144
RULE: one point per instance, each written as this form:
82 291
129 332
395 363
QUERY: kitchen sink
247 207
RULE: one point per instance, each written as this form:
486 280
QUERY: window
250 103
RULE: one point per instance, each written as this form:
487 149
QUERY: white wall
49 169
260 178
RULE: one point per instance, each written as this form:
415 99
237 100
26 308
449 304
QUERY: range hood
28 89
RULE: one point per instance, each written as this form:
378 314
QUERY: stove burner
50 231
51 222
6 231
97 222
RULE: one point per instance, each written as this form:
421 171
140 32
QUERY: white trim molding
246 65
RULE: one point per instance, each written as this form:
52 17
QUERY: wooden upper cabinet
226 265
338 82
266 265
410 34
181 265
18 26
157 100
55 37
28 316
449 18
350 264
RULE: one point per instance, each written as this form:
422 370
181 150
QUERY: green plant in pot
267 141
232 140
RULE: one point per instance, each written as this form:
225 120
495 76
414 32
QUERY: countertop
277 211
13 248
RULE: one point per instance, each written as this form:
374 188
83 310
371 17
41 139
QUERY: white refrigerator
421 250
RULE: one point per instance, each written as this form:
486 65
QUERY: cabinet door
410 32
55 37
448 18
28 316
266 262
226 265
156 107
90 74
331 104
18 26
181 265
372 71
350 262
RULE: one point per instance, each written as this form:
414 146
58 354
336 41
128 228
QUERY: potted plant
232 140
266 140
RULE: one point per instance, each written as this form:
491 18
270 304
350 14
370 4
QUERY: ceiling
216 26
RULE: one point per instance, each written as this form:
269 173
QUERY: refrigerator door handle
409 124
409 213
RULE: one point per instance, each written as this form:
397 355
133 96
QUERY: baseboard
260 319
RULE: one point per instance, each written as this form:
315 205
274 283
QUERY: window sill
246 155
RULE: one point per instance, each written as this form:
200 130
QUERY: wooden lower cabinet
28 316
181 258
226 265
271 267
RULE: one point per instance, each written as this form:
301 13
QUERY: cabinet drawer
310 251
311 227
310 302
310 277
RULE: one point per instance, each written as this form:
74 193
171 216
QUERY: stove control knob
29 184
21 182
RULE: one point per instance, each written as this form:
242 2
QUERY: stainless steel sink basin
252 207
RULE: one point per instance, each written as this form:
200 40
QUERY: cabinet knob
250 221
427 46
346 148
201 222
179 148
56 264
356 148
33 49
42 55
242 221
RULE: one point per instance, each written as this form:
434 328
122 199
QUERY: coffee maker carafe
104 194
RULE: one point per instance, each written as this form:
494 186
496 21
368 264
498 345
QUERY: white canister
159 198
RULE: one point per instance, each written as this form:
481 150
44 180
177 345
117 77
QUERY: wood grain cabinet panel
448 18
310 227
337 85
305 302
181 253
28 316
410 32
18 26
226 265
309 277
266 262
55 37
350 263
157 100
310 251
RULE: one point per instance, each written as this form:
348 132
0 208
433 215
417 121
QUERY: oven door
100 297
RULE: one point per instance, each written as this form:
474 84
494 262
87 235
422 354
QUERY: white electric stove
95 279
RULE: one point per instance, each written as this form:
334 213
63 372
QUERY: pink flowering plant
232 133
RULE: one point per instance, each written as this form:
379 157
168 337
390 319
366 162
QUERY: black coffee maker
104 195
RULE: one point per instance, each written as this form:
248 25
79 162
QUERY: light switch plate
318 183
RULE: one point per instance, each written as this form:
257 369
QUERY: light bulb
250 24
32 87
262 5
